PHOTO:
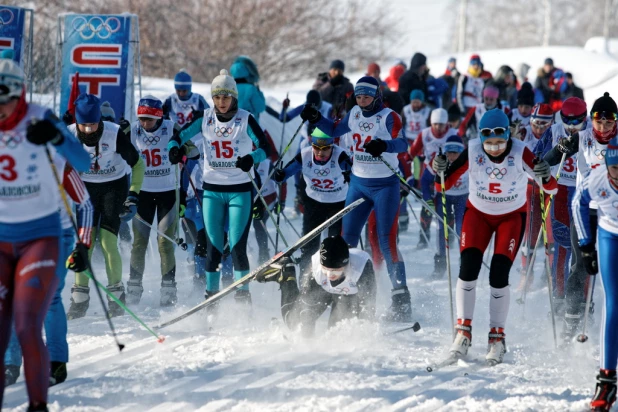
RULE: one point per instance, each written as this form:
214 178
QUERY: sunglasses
322 148
540 123
496 131
605 116
573 120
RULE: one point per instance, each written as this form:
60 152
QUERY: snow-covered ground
242 363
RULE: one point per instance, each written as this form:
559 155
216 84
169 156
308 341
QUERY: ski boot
168 293
605 392
571 326
117 290
496 348
404 222
80 300
134 291
439 268
58 373
463 338
401 307
422 242
11 373
41 407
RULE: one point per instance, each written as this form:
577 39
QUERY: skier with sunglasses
498 168
591 145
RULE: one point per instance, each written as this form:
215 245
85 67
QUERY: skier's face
539 126
490 102
222 102
88 127
524 109
333 274
494 146
363 100
416 105
322 153
182 93
147 123
7 109
603 126
452 156
439 129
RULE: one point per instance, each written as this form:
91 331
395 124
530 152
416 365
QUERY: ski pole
178 242
446 246
285 119
193 187
583 337
278 217
267 209
522 299
549 280
529 263
290 223
67 207
416 327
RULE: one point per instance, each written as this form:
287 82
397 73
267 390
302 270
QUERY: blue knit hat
367 86
611 153
87 109
454 144
182 80
417 94
492 119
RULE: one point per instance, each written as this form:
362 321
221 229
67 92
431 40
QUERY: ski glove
439 164
78 259
589 257
68 118
310 114
566 144
257 213
281 271
542 170
130 207
278 207
286 103
182 210
43 131
196 114
175 155
245 163
279 175
376 147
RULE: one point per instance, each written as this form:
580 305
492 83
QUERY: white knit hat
224 84
439 116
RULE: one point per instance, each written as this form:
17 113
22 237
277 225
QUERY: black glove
175 155
337 80
282 270
78 259
346 176
245 163
43 131
67 118
279 175
257 213
130 207
542 169
566 144
125 125
196 114
278 207
286 103
375 147
439 164
590 259
310 114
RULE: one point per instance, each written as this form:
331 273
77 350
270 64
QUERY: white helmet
11 80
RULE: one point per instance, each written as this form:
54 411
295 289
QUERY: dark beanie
604 104
337 64
417 61
334 252
525 95
314 98
454 112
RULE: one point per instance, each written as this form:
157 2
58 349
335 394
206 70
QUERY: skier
150 135
415 115
601 186
184 106
325 169
498 166
106 181
429 142
229 134
470 85
470 124
376 132
573 115
30 226
456 198
591 145
520 116
341 277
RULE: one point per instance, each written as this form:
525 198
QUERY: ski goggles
540 123
322 148
604 116
494 147
495 132
573 120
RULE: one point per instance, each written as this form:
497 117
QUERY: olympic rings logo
103 29
6 13
365 126
150 140
321 172
10 140
184 105
599 153
223 131
495 173
93 156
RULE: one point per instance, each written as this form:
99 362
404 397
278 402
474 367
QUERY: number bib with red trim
111 165
353 272
517 117
363 130
605 197
28 190
182 110
497 188
224 143
325 183
473 91
460 187
415 121
568 174
590 156
160 173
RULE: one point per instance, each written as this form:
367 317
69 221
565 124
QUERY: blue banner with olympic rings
12 31
99 48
